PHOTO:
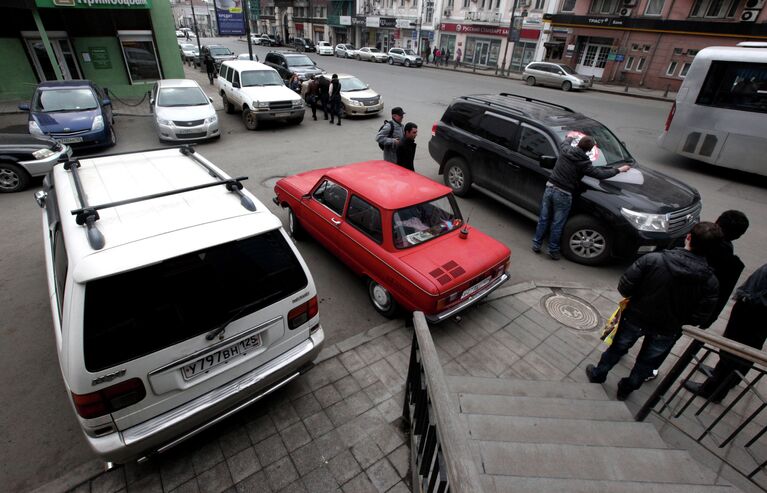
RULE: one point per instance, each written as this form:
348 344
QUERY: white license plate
71 140
182 131
220 357
481 284
370 110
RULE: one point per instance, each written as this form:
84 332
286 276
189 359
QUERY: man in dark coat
324 87
666 290
313 95
406 148
210 67
335 99
571 166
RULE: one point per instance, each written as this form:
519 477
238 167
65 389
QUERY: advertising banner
230 18
95 4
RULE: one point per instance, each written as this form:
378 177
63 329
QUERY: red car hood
302 183
449 261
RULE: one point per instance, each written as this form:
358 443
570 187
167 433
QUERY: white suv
259 92
177 297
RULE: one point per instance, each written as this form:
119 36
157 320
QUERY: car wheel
13 178
458 176
391 61
228 107
407 63
586 241
295 229
382 299
250 119
567 85
297 120
530 81
359 58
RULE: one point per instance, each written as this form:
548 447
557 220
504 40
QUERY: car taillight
110 399
434 129
447 301
302 313
670 116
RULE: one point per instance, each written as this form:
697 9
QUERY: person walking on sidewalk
406 148
571 166
746 326
434 54
335 99
313 95
210 67
446 57
666 290
391 134
457 57
324 88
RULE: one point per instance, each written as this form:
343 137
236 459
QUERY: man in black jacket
571 166
335 99
324 87
666 290
406 149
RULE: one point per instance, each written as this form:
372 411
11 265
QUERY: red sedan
399 230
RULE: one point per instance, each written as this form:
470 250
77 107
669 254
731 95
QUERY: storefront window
482 51
140 56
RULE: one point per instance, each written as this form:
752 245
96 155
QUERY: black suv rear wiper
218 330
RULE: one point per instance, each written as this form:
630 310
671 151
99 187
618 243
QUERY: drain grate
572 312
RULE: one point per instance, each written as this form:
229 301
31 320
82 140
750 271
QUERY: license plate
71 140
370 110
481 284
186 131
220 357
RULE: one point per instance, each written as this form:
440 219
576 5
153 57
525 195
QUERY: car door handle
512 165
335 221
471 147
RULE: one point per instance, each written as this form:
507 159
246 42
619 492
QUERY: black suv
288 64
505 146
218 53
303 44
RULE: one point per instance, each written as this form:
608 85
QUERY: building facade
204 16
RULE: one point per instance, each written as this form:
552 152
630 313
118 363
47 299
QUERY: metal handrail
735 348
461 469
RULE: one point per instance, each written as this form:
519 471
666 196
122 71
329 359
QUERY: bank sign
95 4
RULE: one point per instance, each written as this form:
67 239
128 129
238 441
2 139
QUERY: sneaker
555 255
652 376
590 369
536 249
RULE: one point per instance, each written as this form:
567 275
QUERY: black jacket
669 289
727 268
335 89
572 164
406 154
324 87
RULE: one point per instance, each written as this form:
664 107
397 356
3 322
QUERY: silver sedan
182 111
371 54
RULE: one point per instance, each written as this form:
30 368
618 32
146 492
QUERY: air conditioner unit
624 12
629 3
523 3
754 4
749 15
446 13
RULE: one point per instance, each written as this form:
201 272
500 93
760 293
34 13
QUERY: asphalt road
41 440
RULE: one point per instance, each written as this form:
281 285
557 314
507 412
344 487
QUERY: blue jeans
655 349
555 203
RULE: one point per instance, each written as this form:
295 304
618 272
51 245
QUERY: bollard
626 89
665 94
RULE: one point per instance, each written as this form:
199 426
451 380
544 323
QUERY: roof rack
88 214
533 100
476 99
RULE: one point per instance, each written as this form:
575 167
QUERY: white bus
720 113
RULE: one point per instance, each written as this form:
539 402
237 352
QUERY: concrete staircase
551 436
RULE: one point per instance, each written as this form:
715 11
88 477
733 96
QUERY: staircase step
592 463
550 485
564 431
526 388
544 407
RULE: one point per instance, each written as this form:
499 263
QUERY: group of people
397 140
326 93
441 56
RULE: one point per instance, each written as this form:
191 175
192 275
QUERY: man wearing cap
391 134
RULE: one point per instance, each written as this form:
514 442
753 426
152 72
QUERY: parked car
406 57
554 74
182 111
304 44
324 48
181 306
23 156
400 231
74 112
371 54
259 92
344 50
288 64
504 146
189 53
357 97
219 53
247 56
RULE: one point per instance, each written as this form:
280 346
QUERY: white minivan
177 297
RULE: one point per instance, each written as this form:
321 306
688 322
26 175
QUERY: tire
567 85
530 81
457 176
13 178
407 63
391 61
382 300
359 58
297 121
295 229
586 241
228 107
249 119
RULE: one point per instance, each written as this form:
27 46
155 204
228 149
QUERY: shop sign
404 23
474 29
99 57
388 22
604 21
345 20
230 18
299 26
373 22
358 21
95 4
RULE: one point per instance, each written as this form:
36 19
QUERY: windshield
349 84
251 78
188 47
221 51
409 52
375 50
299 61
182 96
65 100
608 149
567 69
420 223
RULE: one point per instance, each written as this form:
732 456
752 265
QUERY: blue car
74 112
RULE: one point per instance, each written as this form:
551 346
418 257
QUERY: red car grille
447 272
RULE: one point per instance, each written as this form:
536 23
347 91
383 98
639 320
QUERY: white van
177 297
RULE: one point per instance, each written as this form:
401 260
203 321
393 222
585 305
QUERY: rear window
736 86
136 313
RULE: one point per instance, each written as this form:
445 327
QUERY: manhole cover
572 312
271 182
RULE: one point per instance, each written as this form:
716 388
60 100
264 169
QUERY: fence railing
737 423
440 453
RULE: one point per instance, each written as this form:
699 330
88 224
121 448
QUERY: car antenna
464 233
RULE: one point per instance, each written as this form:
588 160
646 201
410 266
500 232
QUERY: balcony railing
438 438
482 16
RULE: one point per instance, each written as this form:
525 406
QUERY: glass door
481 50
64 57
593 60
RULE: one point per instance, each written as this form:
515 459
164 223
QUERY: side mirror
210 99
547 162
24 106
236 85
106 102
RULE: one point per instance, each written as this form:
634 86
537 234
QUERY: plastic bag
611 326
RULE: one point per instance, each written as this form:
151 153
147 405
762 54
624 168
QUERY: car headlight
98 123
43 153
34 128
297 103
353 102
211 119
642 221
261 104
162 121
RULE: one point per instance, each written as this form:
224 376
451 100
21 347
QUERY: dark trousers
655 348
746 325
312 100
325 103
335 108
